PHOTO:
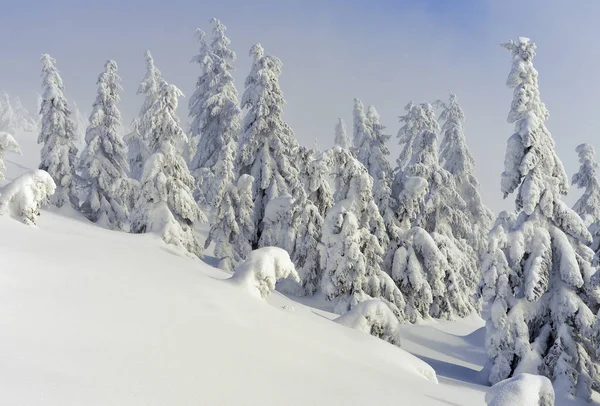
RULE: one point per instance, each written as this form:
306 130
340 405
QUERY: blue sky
385 52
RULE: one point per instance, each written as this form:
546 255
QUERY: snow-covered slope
90 316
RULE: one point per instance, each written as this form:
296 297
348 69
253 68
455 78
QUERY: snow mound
262 269
522 390
373 317
24 196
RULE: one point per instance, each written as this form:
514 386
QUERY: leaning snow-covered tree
456 158
57 135
351 256
436 271
137 140
341 135
268 147
104 159
232 227
166 205
215 114
543 324
588 205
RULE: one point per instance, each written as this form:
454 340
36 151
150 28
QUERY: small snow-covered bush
373 317
262 269
24 196
522 390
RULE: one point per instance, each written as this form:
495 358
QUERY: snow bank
373 317
522 390
262 269
24 196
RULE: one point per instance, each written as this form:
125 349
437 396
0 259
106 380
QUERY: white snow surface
90 316
522 390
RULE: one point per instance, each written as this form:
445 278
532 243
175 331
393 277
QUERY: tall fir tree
166 205
104 158
456 158
215 114
588 205
57 135
436 271
351 255
137 140
539 322
341 135
268 147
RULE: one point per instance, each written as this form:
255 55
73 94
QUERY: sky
386 52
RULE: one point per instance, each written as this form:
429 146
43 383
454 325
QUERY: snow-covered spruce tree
341 135
57 135
25 122
418 118
232 229
316 182
215 114
7 143
268 147
456 158
436 271
8 122
166 205
137 140
588 205
351 256
361 132
104 159
542 324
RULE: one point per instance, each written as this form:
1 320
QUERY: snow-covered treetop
454 154
51 80
220 44
168 134
531 163
418 118
264 123
341 136
588 205
153 79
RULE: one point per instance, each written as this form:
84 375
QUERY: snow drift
522 390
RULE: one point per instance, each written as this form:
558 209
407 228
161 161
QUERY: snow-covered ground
90 316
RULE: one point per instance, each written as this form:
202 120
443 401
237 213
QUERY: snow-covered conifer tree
232 228
268 147
351 256
137 140
104 159
418 118
25 122
588 205
57 135
215 113
316 182
456 158
436 271
166 205
341 135
8 122
362 132
541 324
7 143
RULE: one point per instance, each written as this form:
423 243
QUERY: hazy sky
384 52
